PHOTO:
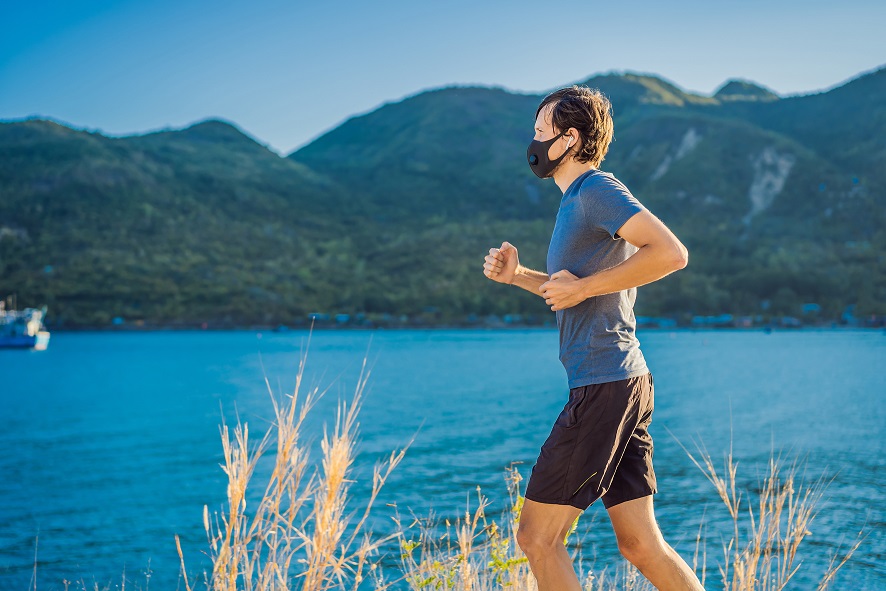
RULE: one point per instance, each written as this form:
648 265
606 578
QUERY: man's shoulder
602 180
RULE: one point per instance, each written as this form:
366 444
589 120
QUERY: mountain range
387 217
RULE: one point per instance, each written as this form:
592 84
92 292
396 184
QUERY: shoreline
550 327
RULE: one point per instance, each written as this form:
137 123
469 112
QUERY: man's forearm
529 280
646 265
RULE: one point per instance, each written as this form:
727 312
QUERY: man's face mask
537 155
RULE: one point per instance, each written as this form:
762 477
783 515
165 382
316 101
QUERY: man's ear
575 136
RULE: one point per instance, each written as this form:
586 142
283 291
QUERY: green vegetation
779 200
744 90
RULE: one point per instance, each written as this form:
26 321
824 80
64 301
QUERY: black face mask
537 155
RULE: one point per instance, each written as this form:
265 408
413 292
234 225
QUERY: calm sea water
111 442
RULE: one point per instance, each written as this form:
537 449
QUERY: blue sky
285 72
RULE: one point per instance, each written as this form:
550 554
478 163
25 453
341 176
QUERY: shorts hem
546 501
629 497
569 502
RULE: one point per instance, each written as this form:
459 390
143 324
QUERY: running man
605 243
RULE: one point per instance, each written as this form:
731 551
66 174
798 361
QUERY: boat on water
23 329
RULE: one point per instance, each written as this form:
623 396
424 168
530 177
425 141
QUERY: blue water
111 442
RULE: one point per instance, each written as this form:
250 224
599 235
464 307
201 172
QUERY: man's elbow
672 256
680 258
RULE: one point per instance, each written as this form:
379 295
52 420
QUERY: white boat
23 328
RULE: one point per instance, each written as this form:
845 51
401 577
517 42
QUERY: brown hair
587 110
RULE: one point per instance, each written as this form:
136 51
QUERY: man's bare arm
529 280
660 253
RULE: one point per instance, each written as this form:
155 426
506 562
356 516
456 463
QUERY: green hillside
743 90
772 219
779 200
175 226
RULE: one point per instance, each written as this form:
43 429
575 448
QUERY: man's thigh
634 521
547 523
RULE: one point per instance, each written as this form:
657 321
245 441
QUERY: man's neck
568 172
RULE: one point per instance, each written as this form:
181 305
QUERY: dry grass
301 536
476 554
479 555
767 531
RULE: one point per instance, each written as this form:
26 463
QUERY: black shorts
599 447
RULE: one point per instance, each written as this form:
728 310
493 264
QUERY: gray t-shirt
597 342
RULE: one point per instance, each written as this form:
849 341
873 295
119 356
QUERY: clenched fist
501 263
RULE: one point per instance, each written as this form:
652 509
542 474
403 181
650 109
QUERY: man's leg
641 542
543 527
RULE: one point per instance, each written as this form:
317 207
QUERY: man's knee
640 552
527 539
534 542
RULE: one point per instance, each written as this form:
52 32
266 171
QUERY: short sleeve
607 203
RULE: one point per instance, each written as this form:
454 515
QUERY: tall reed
767 531
300 534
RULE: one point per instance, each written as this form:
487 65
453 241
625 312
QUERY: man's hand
501 263
564 290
